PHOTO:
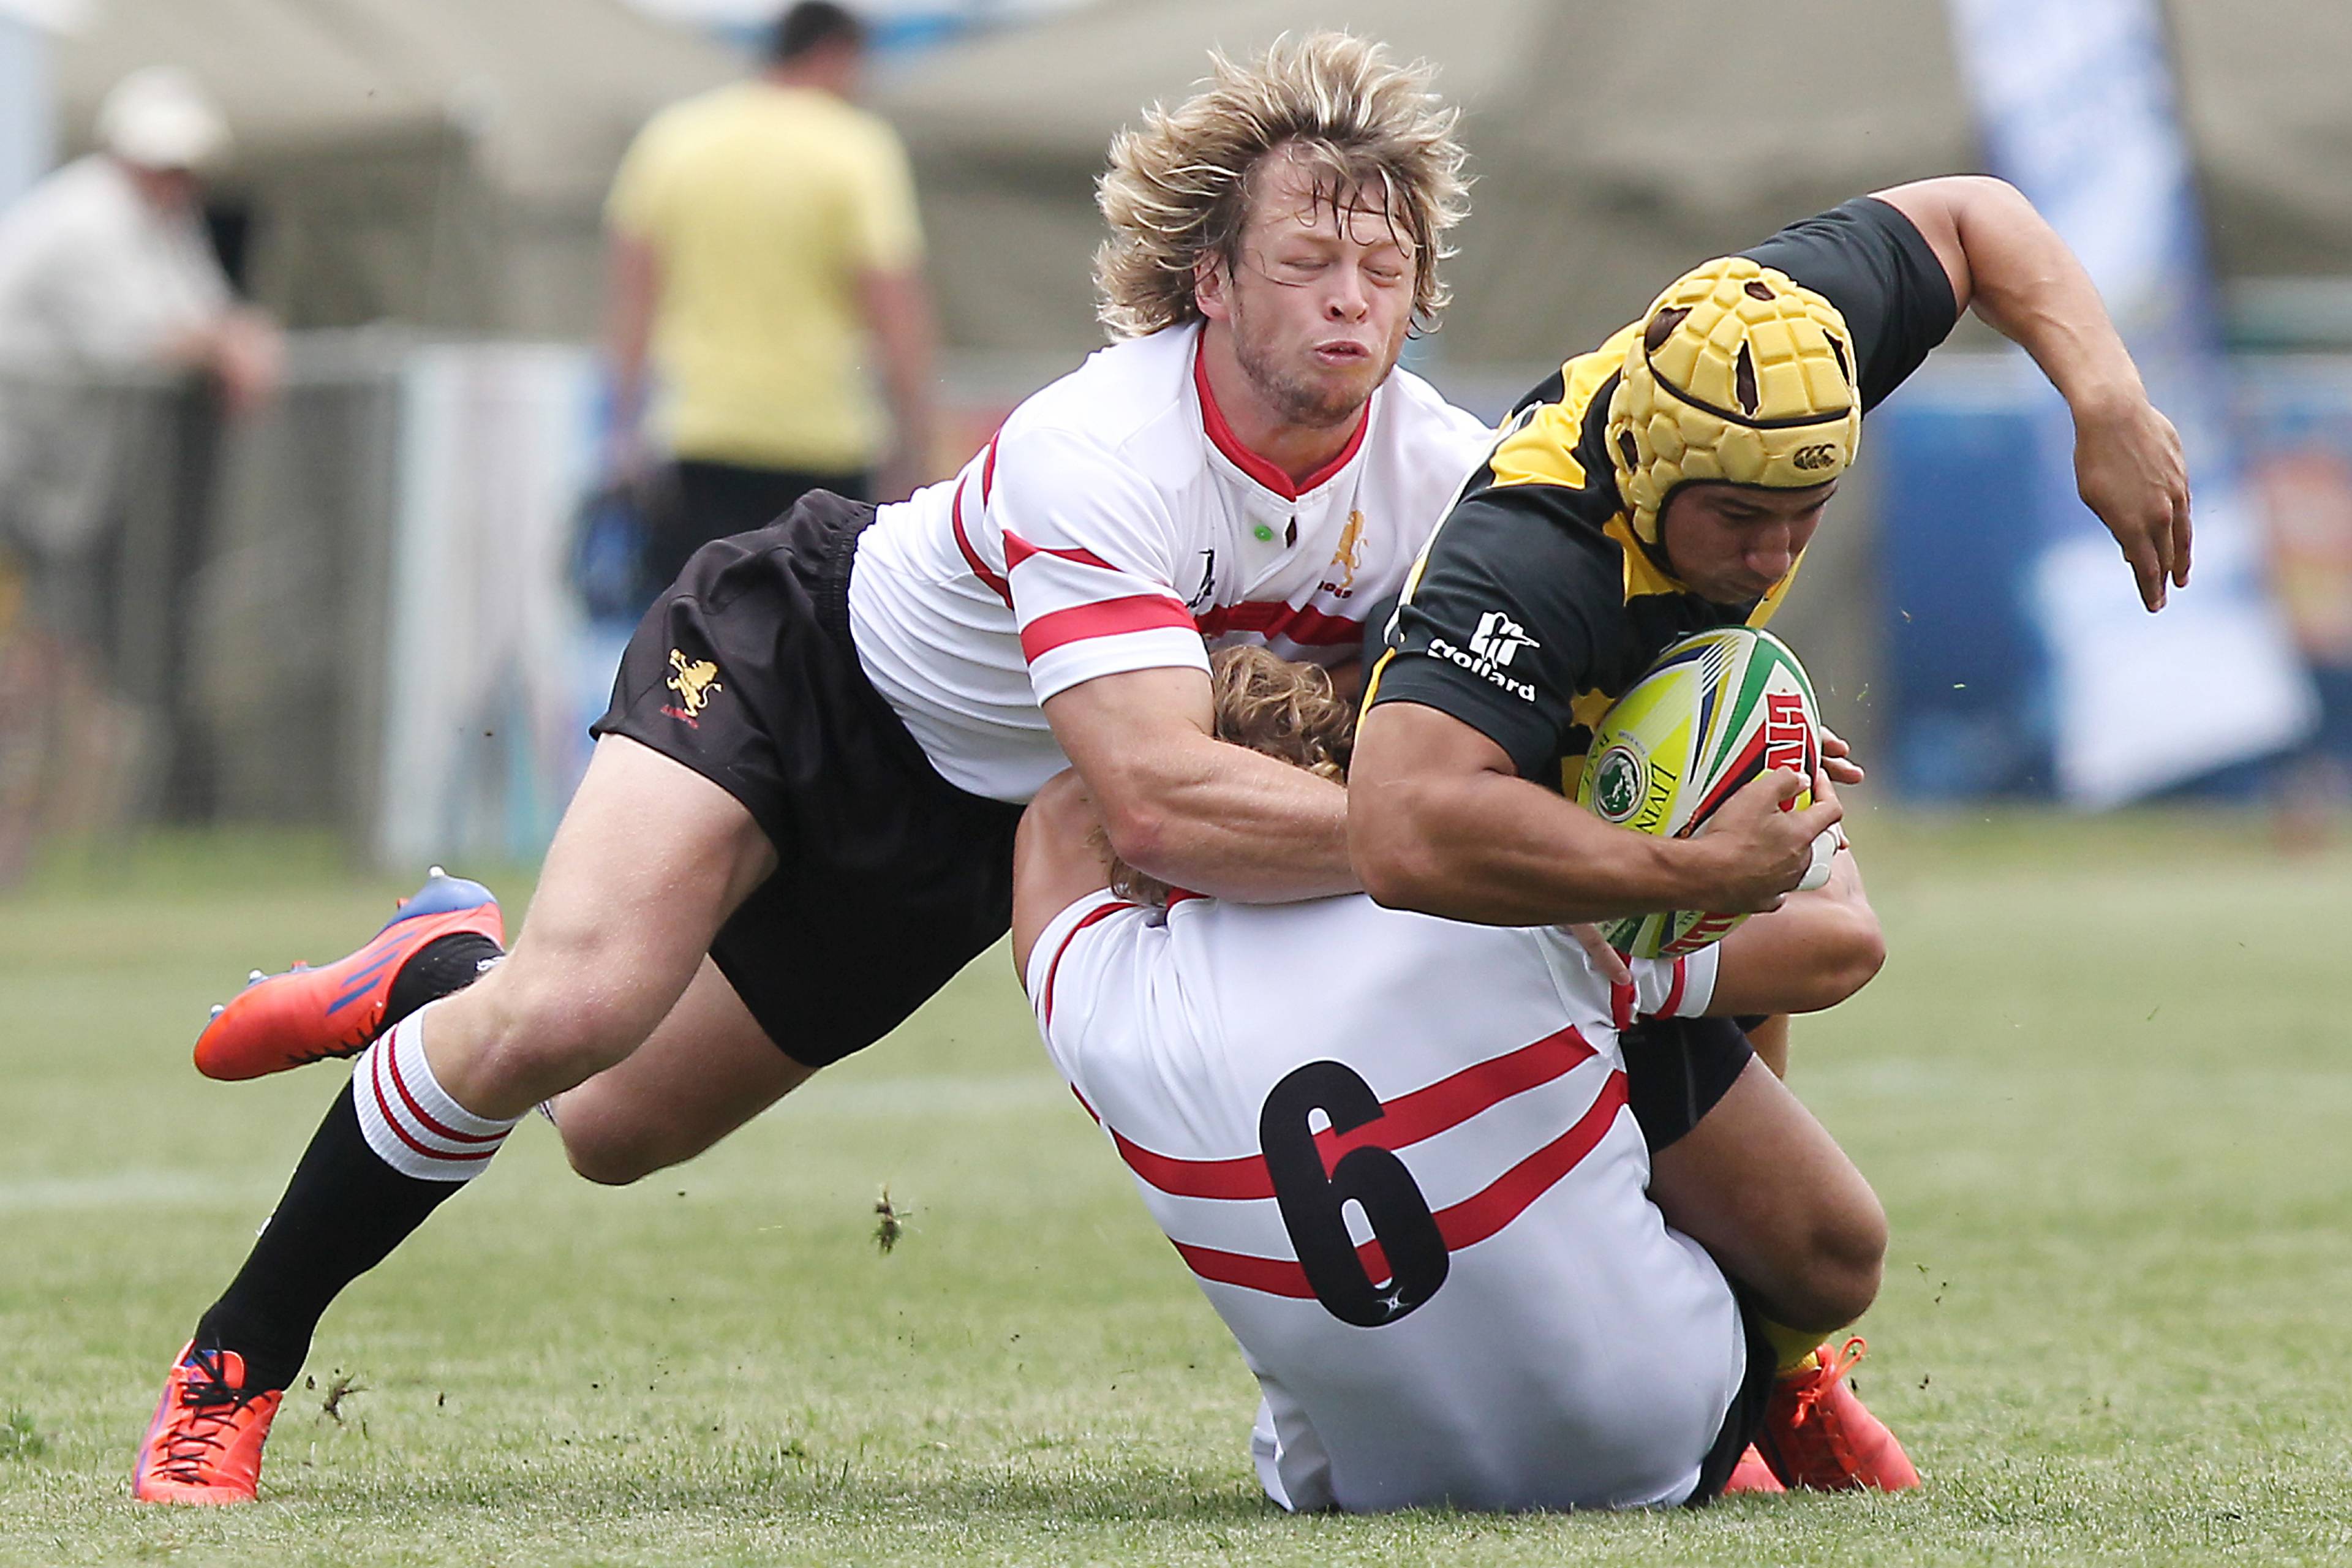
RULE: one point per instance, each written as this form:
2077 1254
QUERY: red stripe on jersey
1673 993
1017 550
996 584
1404 1121
1055 967
1103 619
375 1082
1467 1224
1274 1276
1243 1176
1302 624
988 470
1476 1218
1221 436
1453 1099
1622 1001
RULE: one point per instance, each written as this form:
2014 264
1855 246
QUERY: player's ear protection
1740 373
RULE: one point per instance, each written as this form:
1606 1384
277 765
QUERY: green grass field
2104 1086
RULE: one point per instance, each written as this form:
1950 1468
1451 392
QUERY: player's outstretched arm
1814 952
2009 265
1059 856
1439 821
1186 808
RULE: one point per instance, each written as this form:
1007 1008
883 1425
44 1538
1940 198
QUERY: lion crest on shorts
693 681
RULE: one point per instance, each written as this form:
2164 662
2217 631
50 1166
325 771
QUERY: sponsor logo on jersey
1484 666
1348 560
1499 637
1617 783
694 680
1820 456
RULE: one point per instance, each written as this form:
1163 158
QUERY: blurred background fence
353 610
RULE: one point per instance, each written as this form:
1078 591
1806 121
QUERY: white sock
409 1119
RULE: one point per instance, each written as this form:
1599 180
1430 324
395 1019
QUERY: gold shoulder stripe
1542 450
1643 576
1780 591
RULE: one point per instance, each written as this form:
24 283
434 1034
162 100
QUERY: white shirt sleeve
1676 987
1091 552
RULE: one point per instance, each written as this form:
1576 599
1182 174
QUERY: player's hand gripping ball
1714 712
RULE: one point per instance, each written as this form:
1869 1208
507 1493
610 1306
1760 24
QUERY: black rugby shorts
889 878
1676 1069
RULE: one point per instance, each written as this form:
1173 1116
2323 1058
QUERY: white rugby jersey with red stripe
1396 1154
1113 524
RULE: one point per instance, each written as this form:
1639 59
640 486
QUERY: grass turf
2102 1087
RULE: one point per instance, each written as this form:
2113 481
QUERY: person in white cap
107 281
105 267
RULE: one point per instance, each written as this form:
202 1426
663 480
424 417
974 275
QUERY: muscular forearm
1226 821
2027 285
1501 851
2013 269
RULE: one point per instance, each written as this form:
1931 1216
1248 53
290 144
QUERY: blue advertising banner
2074 102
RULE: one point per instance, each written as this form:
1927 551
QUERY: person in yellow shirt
766 274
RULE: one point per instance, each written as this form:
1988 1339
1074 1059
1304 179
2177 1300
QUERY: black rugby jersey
1534 606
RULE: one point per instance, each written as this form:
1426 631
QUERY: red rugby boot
306 1014
1816 1434
1752 1474
205 1444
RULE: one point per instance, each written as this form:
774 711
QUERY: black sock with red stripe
393 1148
342 1214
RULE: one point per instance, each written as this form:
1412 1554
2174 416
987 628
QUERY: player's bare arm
1184 808
1440 821
1814 952
2010 265
1058 858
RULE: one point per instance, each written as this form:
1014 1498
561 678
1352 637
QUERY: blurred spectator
110 292
106 273
763 236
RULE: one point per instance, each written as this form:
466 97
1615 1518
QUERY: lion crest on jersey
1347 560
693 681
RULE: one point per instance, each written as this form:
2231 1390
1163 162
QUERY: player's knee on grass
1835 1278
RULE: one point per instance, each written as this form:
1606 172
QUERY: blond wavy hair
1288 712
1179 188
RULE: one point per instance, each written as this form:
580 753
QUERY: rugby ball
1715 712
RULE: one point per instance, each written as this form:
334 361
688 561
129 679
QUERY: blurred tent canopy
438 162
442 162
1614 140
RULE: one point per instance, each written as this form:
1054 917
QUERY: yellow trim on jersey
1778 591
1372 681
1643 576
1542 450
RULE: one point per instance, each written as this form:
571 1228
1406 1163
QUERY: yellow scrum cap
1740 373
